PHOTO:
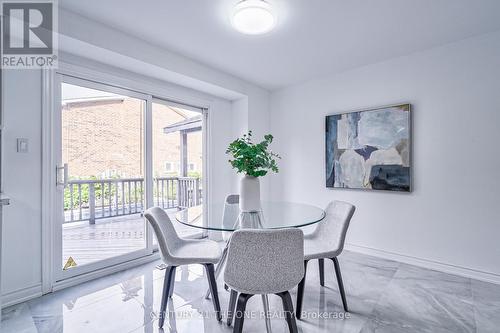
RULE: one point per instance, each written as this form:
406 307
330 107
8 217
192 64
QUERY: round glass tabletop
274 215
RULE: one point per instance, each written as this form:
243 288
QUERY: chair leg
340 283
230 308
168 286
267 318
213 289
321 263
172 281
300 291
240 312
218 269
289 313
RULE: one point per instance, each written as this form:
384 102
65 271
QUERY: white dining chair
263 262
176 251
327 242
230 214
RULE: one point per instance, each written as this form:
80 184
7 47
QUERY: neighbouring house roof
187 125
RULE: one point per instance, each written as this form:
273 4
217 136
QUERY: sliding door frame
58 193
136 86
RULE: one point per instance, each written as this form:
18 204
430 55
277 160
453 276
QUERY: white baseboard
21 295
430 264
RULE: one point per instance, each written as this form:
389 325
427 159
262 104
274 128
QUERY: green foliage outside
253 159
194 174
99 192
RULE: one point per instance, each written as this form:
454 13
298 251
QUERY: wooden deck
110 237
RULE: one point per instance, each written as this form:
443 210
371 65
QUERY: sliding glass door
119 152
102 186
177 158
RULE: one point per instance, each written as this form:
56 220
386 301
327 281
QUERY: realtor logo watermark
29 39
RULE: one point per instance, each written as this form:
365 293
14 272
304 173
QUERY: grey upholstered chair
230 214
264 262
176 251
327 242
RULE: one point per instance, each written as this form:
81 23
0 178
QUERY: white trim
76 280
95 84
425 263
60 275
130 83
21 295
2 101
174 104
207 169
69 102
148 166
48 178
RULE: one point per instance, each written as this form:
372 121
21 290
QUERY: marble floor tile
486 300
76 298
190 284
365 278
422 300
17 319
116 312
383 296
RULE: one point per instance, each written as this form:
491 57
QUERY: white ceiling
313 38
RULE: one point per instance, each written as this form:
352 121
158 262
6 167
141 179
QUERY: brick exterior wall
104 138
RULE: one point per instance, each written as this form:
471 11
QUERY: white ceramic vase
250 194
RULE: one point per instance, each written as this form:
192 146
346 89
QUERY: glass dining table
272 215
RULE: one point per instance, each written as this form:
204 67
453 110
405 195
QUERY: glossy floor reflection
383 296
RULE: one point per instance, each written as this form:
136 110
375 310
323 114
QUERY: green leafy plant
253 159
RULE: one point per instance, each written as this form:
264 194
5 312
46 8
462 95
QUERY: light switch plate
22 145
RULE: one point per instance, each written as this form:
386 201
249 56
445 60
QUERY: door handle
64 168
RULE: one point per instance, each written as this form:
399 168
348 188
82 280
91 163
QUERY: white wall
254 117
87 38
452 215
21 179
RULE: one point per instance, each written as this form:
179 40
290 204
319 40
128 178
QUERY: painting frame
402 170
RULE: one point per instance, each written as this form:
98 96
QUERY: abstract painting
369 149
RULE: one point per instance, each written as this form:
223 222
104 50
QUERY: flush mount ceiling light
253 17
